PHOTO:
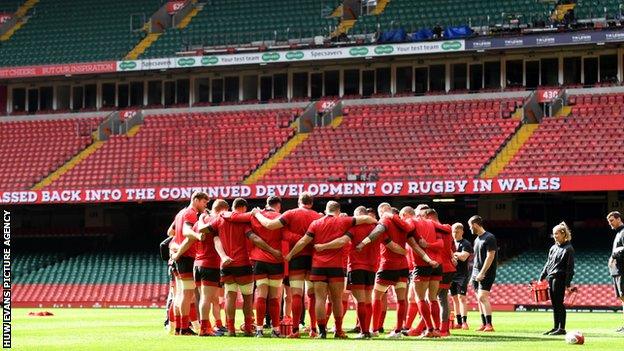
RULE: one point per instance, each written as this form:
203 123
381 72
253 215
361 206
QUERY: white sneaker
394 335
196 327
360 336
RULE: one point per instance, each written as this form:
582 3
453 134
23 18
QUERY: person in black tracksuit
559 270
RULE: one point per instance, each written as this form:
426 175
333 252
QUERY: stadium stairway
338 12
560 10
286 149
343 27
509 150
346 25
79 157
186 20
71 163
142 46
371 134
381 6
564 111
580 140
279 155
20 14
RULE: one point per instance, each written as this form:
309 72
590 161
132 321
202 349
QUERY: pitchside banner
350 189
293 56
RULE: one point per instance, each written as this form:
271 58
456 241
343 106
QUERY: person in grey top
616 260
559 270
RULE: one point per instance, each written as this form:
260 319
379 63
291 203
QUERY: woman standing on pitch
559 270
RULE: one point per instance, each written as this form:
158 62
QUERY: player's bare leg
296 290
230 307
434 305
363 297
312 307
275 291
320 294
336 293
423 307
185 288
218 302
412 307
379 294
205 300
262 292
401 296
484 301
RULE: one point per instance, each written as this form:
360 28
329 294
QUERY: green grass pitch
141 329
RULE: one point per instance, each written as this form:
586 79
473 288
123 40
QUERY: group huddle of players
249 252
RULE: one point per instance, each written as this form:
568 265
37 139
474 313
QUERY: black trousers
556 287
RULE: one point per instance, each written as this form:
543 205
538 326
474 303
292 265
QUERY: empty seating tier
231 22
99 268
590 267
403 141
77 31
34 149
185 150
587 9
584 143
412 15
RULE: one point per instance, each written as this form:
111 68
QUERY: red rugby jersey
206 255
389 259
187 215
272 237
232 230
426 230
297 221
368 258
447 252
324 230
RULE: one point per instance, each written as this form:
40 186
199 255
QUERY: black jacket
560 262
617 253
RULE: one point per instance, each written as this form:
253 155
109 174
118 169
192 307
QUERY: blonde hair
564 229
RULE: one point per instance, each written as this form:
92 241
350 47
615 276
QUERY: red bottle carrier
570 298
286 326
539 291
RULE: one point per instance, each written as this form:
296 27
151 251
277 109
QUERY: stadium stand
32 262
33 149
172 149
77 31
528 265
449 135
140 278
591 278
247 22
582 143
92 278
413 15
588 9
99 268
9 6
